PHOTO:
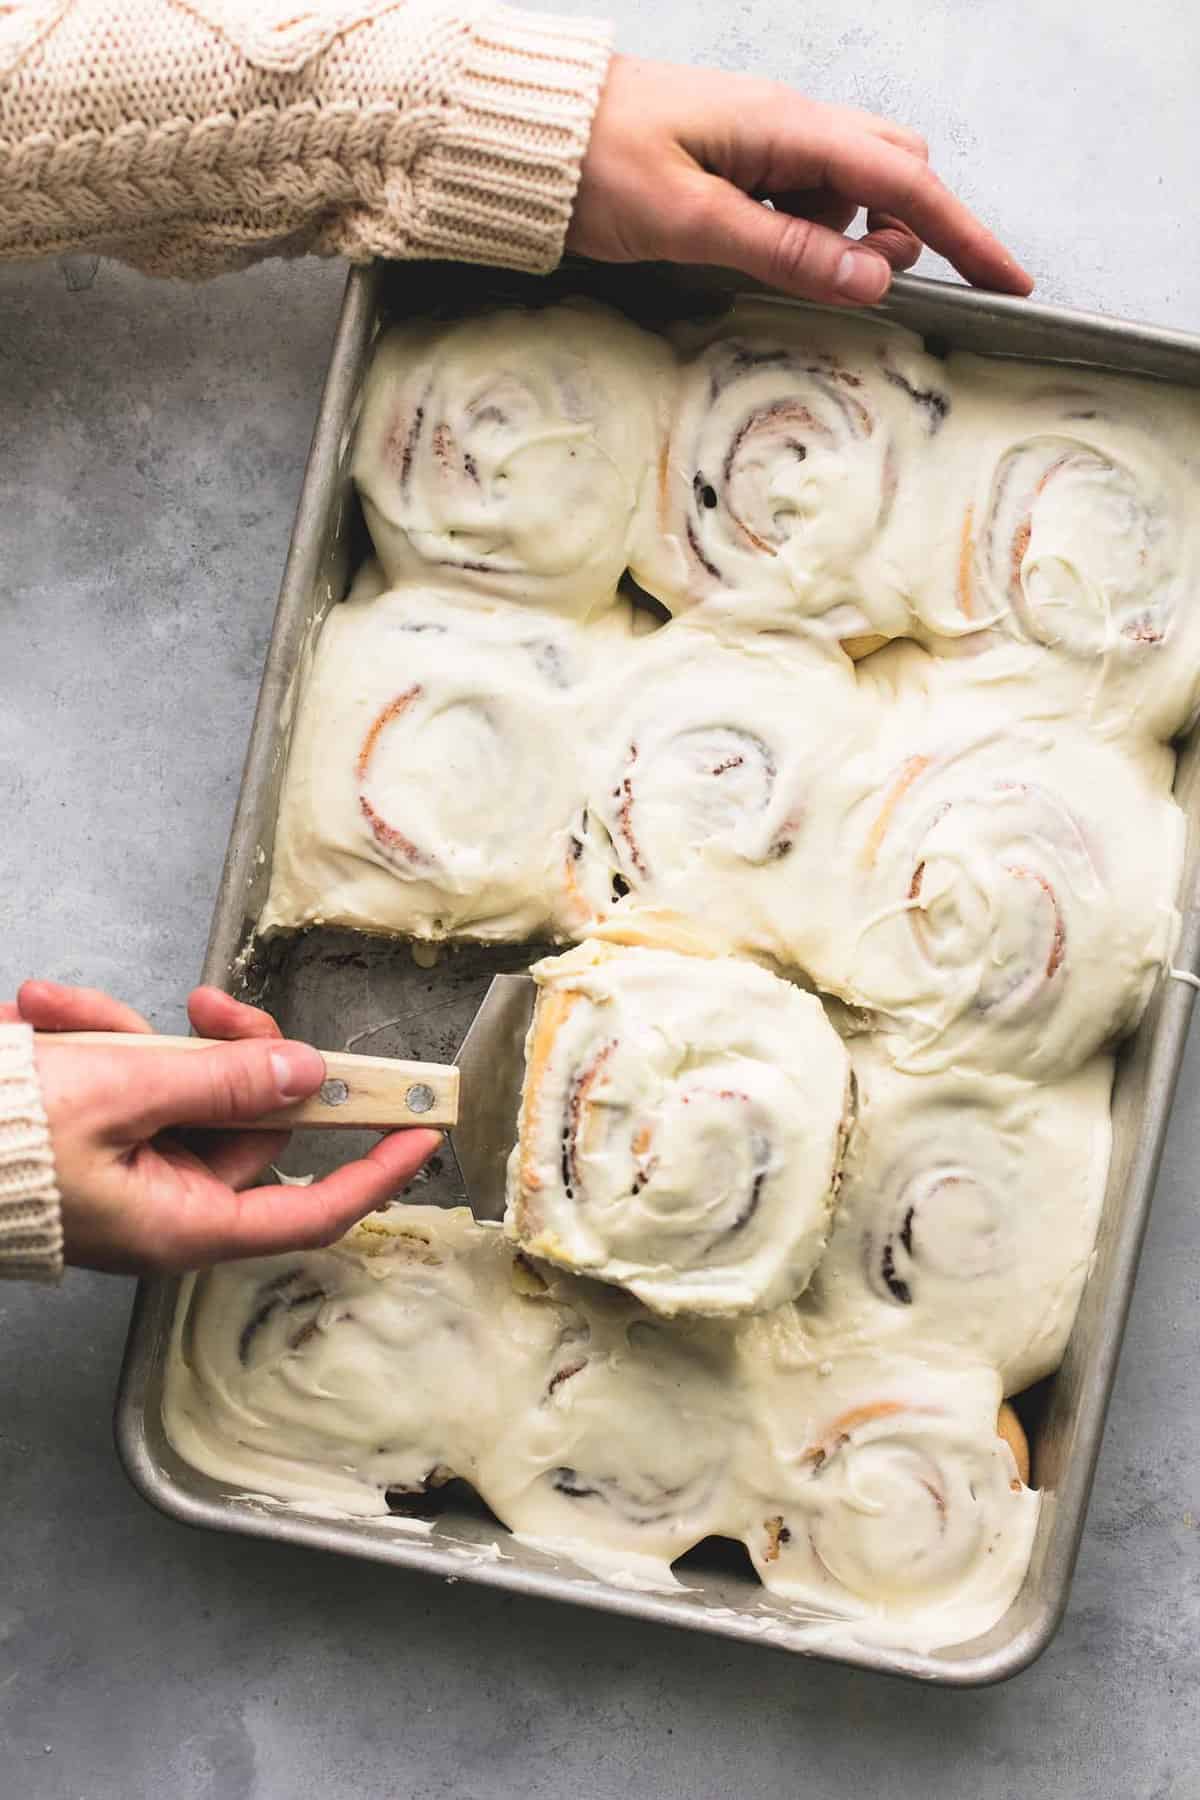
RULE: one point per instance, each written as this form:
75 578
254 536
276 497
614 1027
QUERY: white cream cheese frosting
1059 546
1001 893
422 1347
681 1129
795 441
433 767
966 1217
882 1503
391 1361
702 775
507 453
633 1445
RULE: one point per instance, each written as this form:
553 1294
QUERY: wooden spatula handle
375 1092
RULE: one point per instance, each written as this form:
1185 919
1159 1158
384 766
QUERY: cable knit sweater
192 136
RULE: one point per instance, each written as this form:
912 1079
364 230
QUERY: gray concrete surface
151 444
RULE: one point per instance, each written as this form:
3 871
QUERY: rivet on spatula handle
373 1092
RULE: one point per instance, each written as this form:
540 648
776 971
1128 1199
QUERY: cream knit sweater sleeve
191 136
30 1221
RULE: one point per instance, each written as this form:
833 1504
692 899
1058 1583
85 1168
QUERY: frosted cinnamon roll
1074 499
432 774
1008 893
625 1460
967 1217
700 782
889 1509
681 1128
389 1362
506 453
794 440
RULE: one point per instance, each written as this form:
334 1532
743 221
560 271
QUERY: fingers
49 1006
884 176
720 224
890 129
892 239
226 1085
238 1158
220 1225
817 204
277 1218
214 1014
10 1013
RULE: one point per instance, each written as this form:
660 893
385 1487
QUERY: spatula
477 1097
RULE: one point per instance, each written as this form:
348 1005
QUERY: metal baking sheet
341 989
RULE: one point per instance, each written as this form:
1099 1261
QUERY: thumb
227 1085
725 226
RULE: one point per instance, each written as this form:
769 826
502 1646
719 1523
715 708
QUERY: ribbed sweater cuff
499 178
31 1242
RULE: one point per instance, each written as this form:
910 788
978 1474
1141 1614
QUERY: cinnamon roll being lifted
506 453
1008 894
887 1507
389 1362
966 1219
795 440
681 1128
432 773
1068 562
699 784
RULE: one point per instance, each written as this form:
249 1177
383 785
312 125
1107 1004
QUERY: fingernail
299 1071
861 275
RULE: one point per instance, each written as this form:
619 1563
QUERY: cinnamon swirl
507 453
1072 557
1007 894
681 1128
630 1448
889 1507
701 783
794 442
335 1376
966 1218
432 774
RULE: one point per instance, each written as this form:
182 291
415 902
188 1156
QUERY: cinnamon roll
432 773
1008 895
506 453
681 1128
389 1362
794 442
1073 499
889 1509
625 1461
967 1217
702 779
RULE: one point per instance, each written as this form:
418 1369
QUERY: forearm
31 1240
185 146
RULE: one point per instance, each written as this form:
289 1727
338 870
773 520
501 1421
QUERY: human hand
142 1189
676 155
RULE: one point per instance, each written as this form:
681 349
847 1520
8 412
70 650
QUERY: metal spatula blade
491 1067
